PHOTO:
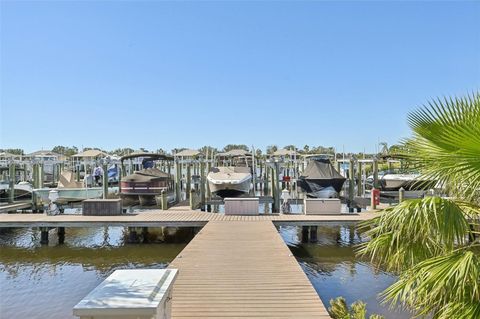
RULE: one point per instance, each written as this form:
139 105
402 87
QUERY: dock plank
158 218
242 269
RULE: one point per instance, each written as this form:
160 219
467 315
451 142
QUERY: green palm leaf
440 285
446 144
434 242
415 230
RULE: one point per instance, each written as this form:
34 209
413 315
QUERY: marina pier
235 267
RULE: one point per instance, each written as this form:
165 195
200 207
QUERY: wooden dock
172 218
240 269
235 267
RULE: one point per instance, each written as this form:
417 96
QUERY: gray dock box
241 206
102 207
130 294
322 206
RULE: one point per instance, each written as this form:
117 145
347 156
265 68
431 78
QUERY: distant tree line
68 151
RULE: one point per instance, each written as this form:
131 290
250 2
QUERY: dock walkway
171 218
235 267
240 269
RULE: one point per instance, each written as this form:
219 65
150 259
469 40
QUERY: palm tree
358 310
433 242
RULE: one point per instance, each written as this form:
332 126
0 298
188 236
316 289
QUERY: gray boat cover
320 174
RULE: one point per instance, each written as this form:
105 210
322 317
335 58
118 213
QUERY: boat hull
21 191
67 195
229 181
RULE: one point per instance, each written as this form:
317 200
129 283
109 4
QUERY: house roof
44 153
233 153
6 154
283 152
188 152
91 153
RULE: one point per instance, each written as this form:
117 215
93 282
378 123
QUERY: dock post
305 234
25 175
44 235
189 179
77 173
177 182
34 176
351 185
11 183
401 195
61 235
105 181
359 179
42 175
145 234
375 174
120 172
192 199
202 186
277 188
313 234
132 235
274 209
164 202
265 181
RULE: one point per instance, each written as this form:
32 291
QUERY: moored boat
69 190
22 190
232 176
320 179
394 180
146 184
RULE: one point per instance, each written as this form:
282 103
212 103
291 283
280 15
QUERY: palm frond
413 231
440 286
338 308
446 144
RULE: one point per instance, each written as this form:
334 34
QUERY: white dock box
241 206
130 294
322 206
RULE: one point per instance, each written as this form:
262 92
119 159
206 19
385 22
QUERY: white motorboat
22 190
233 176
391 181
229 181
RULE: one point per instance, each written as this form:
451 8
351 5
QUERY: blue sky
188 74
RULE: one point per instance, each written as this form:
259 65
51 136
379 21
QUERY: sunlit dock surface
240 269
236 267
171 218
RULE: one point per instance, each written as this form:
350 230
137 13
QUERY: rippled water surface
334 270
47 281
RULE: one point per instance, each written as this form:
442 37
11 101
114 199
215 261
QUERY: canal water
47 281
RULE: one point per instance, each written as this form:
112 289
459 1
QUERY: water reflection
334 269
47 281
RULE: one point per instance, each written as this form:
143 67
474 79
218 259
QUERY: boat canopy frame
150 156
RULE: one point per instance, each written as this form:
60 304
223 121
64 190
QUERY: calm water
47 281
334 270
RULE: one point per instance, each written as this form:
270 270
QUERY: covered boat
146 184
320 179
